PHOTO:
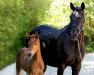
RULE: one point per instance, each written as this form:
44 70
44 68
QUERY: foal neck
38 55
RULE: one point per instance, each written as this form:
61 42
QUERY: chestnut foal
30 59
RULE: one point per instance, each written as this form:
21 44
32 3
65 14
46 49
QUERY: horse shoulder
20 53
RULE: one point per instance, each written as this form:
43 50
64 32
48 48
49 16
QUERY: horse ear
72 6
28 35
36 34
82 6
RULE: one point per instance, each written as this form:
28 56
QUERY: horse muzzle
30 55
73 35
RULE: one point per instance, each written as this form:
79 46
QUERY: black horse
64 47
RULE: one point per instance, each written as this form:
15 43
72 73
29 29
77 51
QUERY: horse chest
67 51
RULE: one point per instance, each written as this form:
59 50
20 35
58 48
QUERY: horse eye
35 43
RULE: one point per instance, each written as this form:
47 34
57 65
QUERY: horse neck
81 38
38 55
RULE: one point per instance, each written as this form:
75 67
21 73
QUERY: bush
16 18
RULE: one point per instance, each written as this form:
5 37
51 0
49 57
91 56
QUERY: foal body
30 59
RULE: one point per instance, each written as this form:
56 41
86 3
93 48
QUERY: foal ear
72 6
82 6
28 35
36 34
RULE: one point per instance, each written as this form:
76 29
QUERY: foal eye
35 43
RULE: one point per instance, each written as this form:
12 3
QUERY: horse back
44 30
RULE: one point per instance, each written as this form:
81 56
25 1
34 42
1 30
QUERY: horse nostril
29 54
74 35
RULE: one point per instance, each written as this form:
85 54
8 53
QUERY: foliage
20 16
16 18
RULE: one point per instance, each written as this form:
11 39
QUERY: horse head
77 20
33 44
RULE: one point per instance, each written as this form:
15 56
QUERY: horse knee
61 69
76 69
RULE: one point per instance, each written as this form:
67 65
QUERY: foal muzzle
31 54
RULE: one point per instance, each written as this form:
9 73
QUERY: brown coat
32 64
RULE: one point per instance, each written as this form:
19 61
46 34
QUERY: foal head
33 43
77 20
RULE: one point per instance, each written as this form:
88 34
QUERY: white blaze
76 13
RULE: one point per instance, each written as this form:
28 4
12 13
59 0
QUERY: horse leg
76 69
18 68
45 67
18 71
61 69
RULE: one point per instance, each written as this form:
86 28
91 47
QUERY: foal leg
76 69
18 69
61 69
